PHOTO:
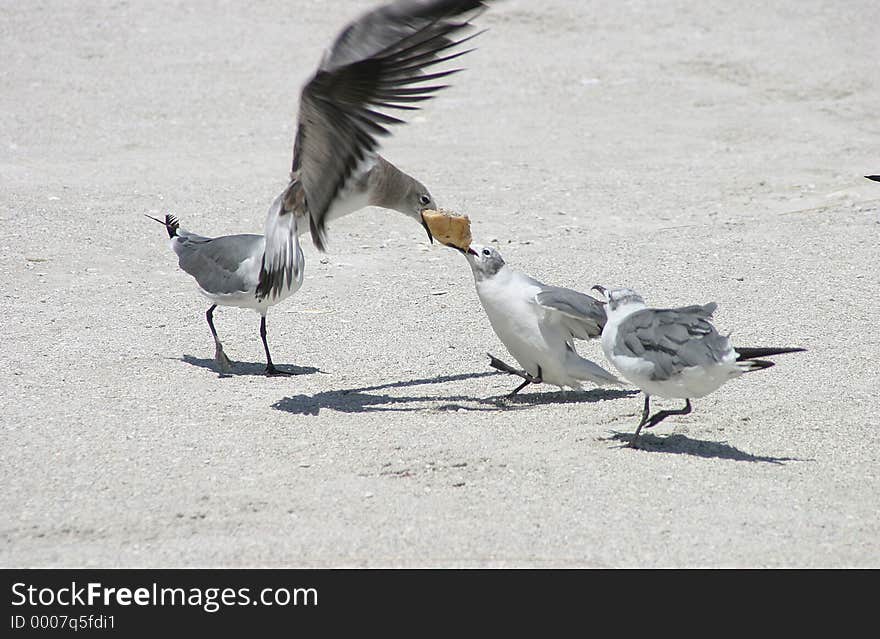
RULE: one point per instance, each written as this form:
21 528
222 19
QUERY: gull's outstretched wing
378 62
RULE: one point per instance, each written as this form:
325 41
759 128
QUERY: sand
696 153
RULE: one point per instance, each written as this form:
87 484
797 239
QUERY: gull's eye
487 252
424 200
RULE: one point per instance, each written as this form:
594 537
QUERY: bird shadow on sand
365 399
246 368
566 397
681 445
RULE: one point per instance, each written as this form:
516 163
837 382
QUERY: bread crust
449 228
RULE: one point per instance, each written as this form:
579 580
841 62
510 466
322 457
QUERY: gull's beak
425 226
601 289
469 251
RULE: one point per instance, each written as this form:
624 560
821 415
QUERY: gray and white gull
674 353
379 62
537 323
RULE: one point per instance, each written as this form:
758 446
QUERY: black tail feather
876 178
171 223
758 364
752 353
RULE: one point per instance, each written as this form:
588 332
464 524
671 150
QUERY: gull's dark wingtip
876 178
319 234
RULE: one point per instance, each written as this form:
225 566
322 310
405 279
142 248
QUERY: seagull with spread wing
385 60
537 323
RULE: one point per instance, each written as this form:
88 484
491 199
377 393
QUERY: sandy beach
695 152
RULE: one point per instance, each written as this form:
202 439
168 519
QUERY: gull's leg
645 412
494 362
219 356
519 388
528 380
270 367
663 414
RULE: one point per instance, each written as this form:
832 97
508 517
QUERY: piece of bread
449 228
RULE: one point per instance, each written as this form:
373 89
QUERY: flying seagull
674 353
382 61
537 323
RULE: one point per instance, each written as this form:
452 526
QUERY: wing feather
672 339
370 68
582 315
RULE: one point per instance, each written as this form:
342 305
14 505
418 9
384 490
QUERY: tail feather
752 353
747 357
171 224
583 369
876 178
755 365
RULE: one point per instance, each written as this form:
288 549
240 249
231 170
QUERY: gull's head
618 298
485 261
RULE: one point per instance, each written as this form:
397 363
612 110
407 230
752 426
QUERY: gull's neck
387 185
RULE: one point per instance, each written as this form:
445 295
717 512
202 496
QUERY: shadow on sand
682 445
364 399
246 368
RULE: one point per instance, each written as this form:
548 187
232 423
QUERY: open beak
601 289
425 226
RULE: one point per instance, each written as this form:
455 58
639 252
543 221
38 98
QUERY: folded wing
222 265
581 315
672 339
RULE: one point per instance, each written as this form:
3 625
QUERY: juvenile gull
537 323
674 353
377 63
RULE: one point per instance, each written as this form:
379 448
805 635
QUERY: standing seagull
377 63
673 352
537 323
227 270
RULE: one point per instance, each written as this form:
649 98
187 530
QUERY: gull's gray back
216 263
672 339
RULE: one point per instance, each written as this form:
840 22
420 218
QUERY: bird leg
659 417
219 356
645 412
494 362
270 367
